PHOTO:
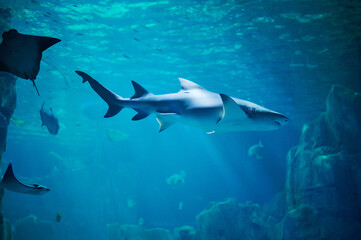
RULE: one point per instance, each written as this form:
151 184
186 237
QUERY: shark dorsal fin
139 90
187 85
231 110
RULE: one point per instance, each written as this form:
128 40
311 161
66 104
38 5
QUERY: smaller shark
49 120
21 54
10 182
192 105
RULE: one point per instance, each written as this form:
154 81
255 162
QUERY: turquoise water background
284 55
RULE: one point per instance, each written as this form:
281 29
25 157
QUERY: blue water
282 55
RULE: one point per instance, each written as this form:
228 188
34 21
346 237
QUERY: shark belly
203 118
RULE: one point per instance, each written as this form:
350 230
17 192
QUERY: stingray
10 182
21 54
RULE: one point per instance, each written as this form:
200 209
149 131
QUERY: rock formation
7 107
324 172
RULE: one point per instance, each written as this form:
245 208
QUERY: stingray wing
10 182
21 54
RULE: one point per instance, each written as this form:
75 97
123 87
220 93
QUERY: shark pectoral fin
139 90
165 121
231 110
140 115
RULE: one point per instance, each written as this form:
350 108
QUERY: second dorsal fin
139 90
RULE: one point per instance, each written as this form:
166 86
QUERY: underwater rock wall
7 107
324 172
230 220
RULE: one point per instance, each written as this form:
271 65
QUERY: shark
49 120
193 105
10 182
20 54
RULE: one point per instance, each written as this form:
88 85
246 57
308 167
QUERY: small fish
256 150
116 135
58 216
49 120
18 122
176 180
130 203
180 206
126 56
136 39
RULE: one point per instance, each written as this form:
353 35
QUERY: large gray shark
10 182
192 105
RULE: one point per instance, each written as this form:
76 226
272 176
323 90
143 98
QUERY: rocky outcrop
118 231
230 220
7 107
324 172
184 233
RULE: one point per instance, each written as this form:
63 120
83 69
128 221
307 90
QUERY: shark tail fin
113 100
139 90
